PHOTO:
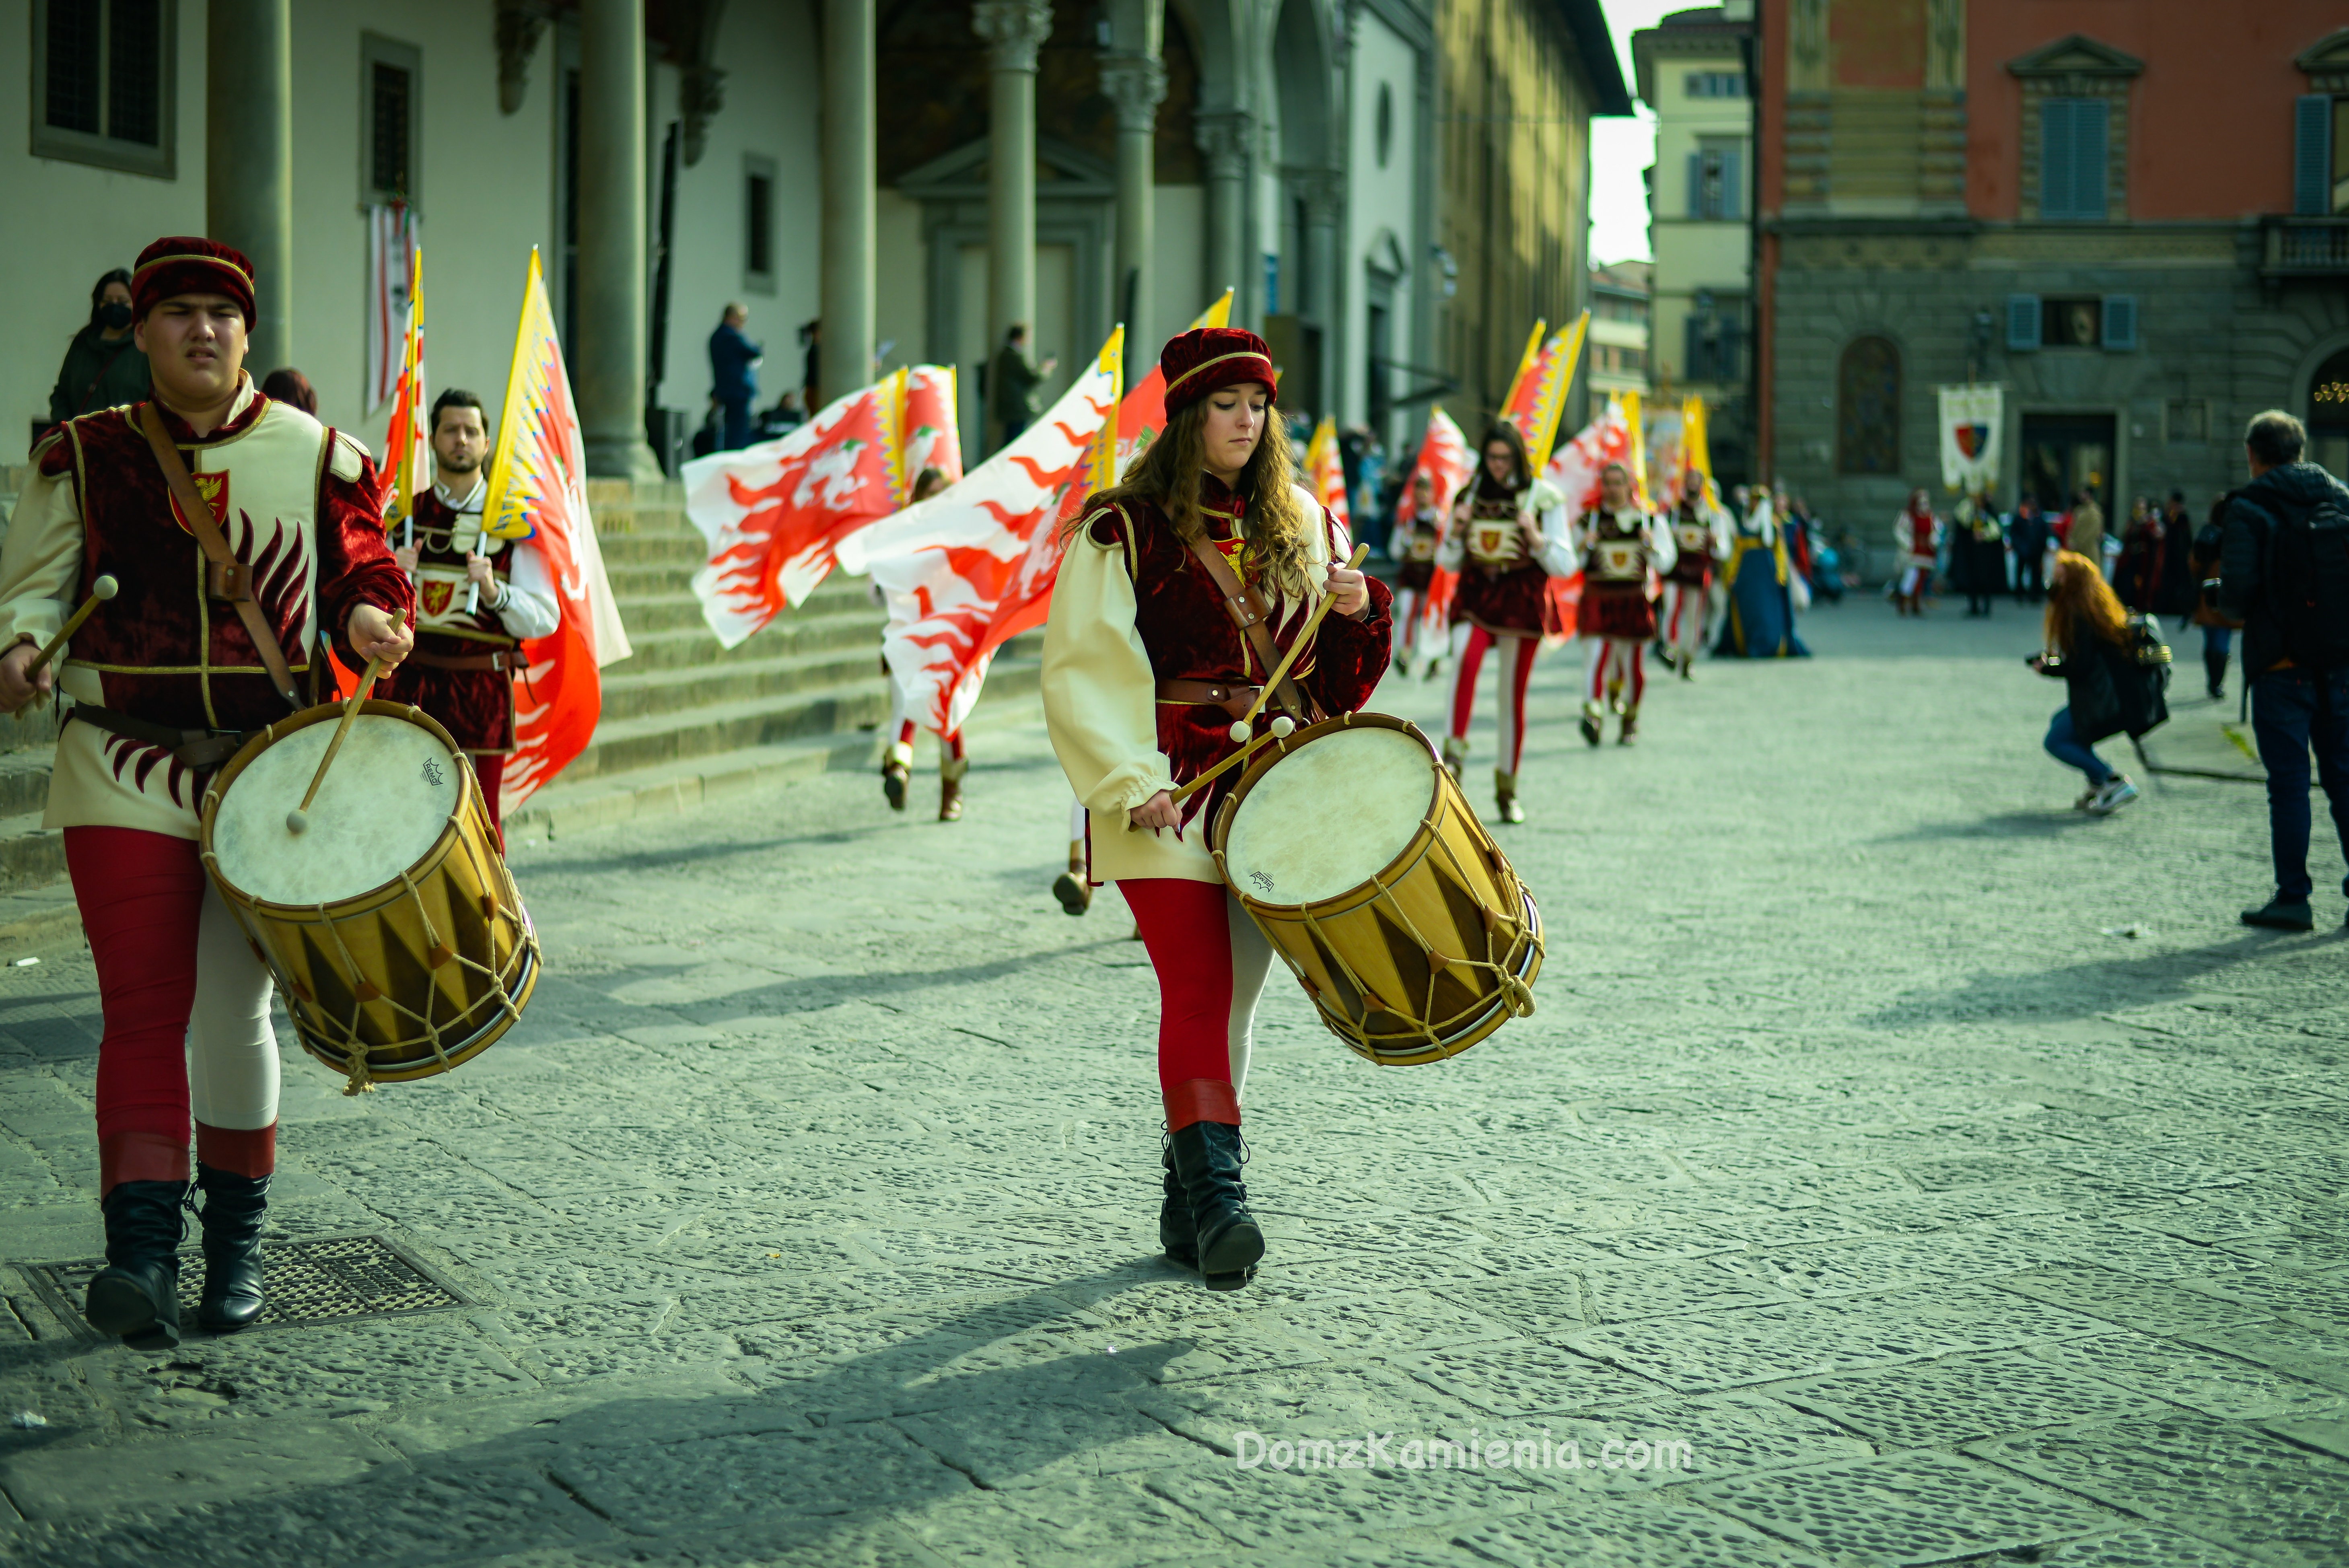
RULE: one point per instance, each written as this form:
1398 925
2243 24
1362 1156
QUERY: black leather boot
1207 1159
136 1295
234 1206
1178 1238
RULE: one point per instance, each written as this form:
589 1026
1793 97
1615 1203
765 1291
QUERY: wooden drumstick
1242 730
297 820
102 590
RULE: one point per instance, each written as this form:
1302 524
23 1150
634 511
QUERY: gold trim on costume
221 262
1218 359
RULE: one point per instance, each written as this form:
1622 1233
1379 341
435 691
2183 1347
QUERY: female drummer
1507 544
1181 591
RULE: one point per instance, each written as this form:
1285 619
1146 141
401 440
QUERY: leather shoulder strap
1248 612
234 574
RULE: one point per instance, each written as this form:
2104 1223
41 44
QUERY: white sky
1621 149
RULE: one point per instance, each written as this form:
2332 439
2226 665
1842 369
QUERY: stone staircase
684 719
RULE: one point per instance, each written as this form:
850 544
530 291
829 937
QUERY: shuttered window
2312 155
2022 321
2075 134
2120 321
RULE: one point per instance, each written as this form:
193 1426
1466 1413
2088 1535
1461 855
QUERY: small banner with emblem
1971 415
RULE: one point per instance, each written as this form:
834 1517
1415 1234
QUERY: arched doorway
2328 414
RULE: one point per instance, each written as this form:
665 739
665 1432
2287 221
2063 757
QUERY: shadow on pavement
2074 990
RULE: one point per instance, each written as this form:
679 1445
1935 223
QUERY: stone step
680 695
24 780
30 854
652 740
679 647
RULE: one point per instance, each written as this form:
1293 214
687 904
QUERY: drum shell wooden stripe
418 975
1409 966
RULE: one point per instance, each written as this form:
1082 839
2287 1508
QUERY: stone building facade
2124 216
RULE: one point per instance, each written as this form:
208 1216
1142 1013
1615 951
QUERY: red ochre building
2134 216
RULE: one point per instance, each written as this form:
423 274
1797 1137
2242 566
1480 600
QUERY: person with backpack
2093 647
2283 572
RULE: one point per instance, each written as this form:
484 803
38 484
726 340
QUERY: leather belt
503 659
1235 700
199 749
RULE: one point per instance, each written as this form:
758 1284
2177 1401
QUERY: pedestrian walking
2284 575
2145 543
2086 535
1917 539
1180 589
734 374
2218 631
2029 535
2106 692
1013 381
168 687
2178 589
104 367
1983 544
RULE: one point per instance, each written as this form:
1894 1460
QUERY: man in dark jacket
2028 535
734 374
2300 689
1013 382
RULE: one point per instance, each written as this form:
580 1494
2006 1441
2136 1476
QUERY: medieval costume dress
1917 540
1502 597
1413 548
469 639
167 683
1759 623
1699 546
1621 550
1145 667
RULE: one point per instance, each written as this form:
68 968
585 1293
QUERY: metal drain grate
319 1279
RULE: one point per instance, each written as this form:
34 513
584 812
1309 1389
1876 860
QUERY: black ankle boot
231 1214
2214 669
1207 1159
1178 1238
138 1293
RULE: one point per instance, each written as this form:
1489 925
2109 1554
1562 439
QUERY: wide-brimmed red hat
1206 357
185 264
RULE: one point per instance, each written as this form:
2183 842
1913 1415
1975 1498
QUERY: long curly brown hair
1168 474
2078 590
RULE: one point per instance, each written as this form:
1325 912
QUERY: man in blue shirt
734 374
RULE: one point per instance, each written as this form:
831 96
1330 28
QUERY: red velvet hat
1206 357
185 265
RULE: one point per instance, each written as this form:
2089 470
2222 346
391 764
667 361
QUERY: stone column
1324 194
1223 135
1015 30
607 363
1137 84
249 158
845 358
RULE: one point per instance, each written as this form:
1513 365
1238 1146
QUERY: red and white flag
775 513
972 567
408 462
538 497
1444 458
391 286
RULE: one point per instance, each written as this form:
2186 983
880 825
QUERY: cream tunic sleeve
40 564
1101 700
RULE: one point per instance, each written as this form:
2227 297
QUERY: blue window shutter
2022 321
2312 155
2091 132
1696 185
1733 195
2120 321
2055 160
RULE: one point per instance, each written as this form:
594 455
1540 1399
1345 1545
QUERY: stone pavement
1948 1172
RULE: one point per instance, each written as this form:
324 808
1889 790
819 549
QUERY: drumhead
390 794
1329 815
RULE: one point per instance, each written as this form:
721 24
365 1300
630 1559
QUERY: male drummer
193 655
477 598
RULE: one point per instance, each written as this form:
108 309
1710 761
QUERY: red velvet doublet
1189 636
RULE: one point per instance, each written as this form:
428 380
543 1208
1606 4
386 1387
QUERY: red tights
1517 672
143 899
1211 961
951 744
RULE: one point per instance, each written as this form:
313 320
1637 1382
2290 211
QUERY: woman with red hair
2106 692
1182 589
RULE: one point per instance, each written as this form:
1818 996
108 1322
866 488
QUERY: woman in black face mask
103 368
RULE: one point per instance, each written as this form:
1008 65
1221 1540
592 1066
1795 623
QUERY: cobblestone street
1900 1168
